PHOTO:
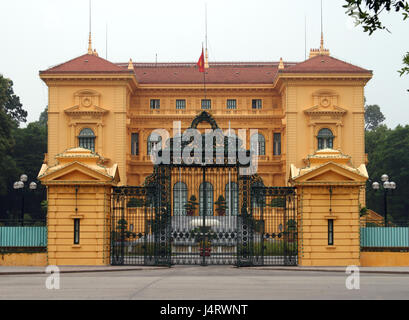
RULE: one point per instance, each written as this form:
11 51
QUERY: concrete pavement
6 270
210 283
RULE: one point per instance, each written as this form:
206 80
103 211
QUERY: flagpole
204 78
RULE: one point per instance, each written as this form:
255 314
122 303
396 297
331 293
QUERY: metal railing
23 236
375 236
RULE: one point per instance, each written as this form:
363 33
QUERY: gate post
79 207
328 210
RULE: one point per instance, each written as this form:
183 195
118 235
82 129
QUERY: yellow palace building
310 121
298 108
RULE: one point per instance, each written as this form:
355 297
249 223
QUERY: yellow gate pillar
79 202
328 192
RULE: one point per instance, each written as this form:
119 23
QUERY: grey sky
35 35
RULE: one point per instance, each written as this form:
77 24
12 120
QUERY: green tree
10 103
388 153
373 117
367 13
7 163
11 113
21 151
43 117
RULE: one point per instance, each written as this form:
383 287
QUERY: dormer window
86 139
325 139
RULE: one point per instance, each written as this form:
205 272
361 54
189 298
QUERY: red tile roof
324 64
218 73
87 63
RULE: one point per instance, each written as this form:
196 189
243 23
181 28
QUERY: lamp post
387 185
19 185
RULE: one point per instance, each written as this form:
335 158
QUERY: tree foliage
10 103
373 117
388 153
21 151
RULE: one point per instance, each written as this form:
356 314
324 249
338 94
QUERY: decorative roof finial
130 65
321 51
90 44
281 65
90 38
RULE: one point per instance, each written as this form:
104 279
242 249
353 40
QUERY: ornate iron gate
204 216
203 213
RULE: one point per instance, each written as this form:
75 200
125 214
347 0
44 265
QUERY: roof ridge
325 58
79 66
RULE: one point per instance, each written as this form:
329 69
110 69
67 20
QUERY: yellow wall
93 204
110 128
302 129
384 259
313 223
126 110
23 259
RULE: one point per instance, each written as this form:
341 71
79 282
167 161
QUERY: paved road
214 282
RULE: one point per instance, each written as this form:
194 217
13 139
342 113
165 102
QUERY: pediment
330 172
320 110
81 110
78 172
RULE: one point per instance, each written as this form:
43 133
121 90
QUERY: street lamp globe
393 185
23 178
387 185
375 185
384 178
20 184
33 186
16 185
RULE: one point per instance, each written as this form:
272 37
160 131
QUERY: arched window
179 199
206 195
234 204
154 140
261 145
86 139
325 139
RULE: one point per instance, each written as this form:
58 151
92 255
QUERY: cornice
56 78
216 87
222 117
363 77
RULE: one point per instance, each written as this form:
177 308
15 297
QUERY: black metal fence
274 211
132 216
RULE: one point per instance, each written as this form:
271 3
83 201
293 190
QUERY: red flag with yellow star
200 63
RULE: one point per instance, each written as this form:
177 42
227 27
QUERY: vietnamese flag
200 63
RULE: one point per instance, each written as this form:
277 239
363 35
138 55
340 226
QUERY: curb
330 270
9 273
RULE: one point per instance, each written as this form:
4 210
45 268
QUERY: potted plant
221 206
191 206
